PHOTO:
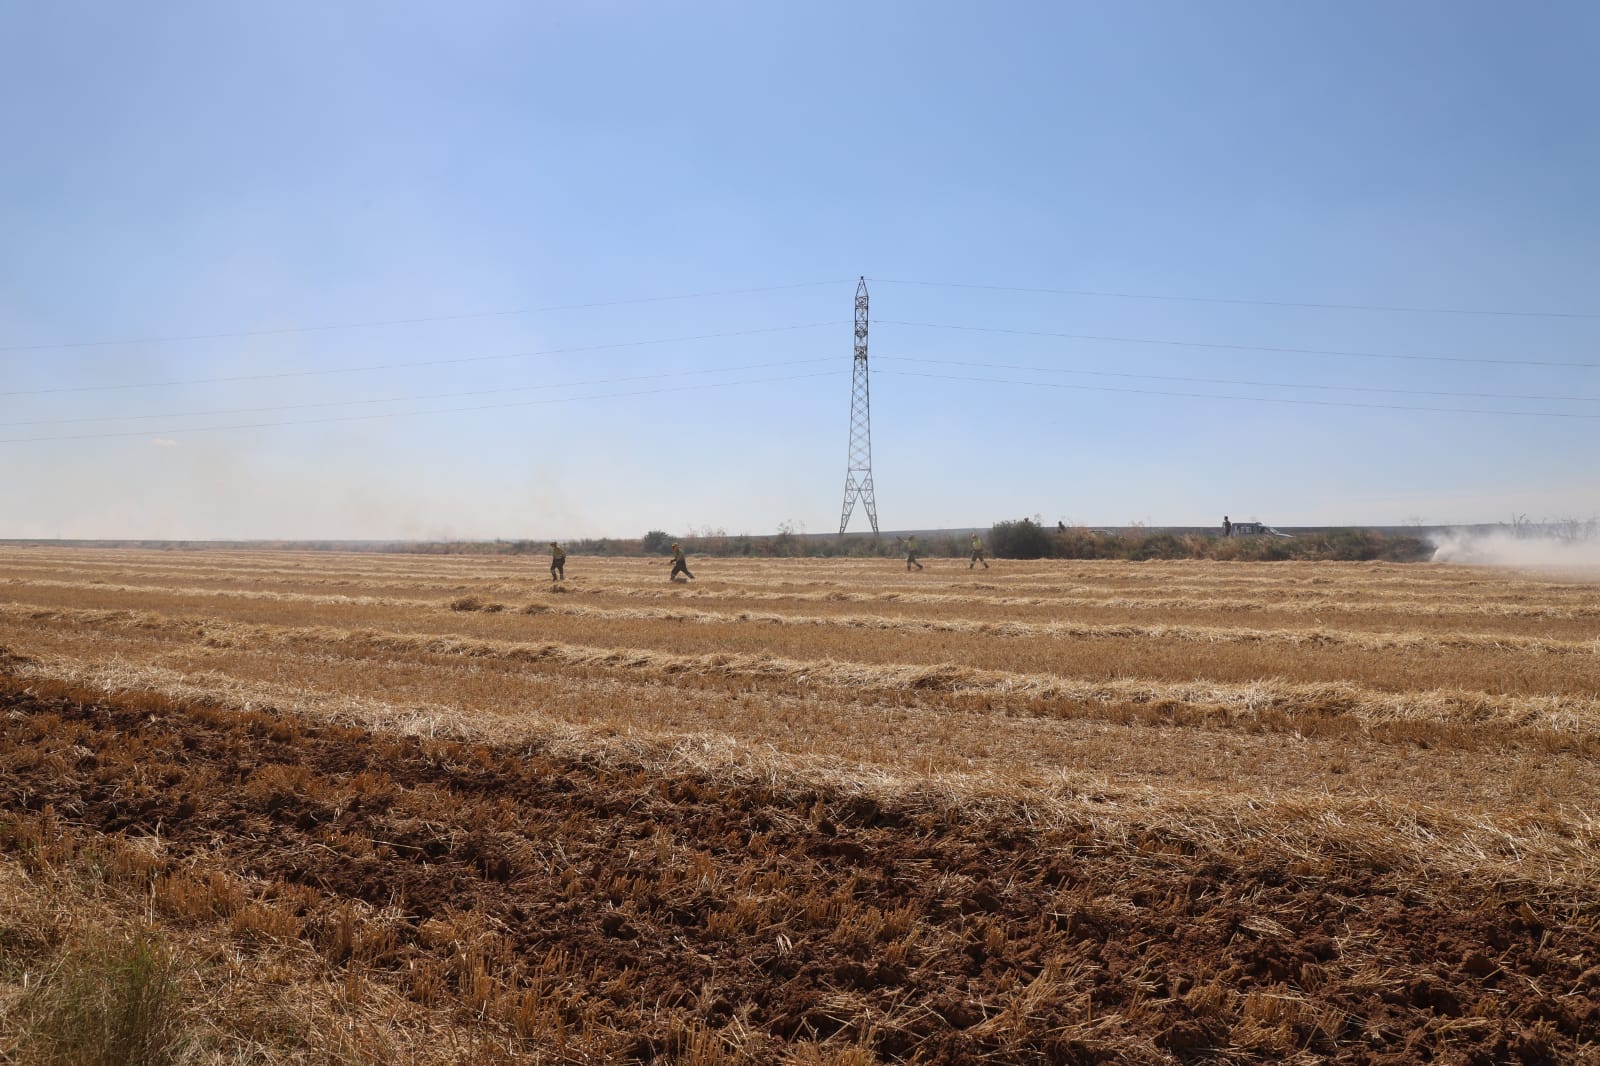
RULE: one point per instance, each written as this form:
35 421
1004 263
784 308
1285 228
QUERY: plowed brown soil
624 914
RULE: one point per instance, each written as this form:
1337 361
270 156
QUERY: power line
1247 399
1249 303
514 312
409 321
1236 381
1242 347
417 363
417 414
416 397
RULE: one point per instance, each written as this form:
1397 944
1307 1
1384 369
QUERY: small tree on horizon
1022 539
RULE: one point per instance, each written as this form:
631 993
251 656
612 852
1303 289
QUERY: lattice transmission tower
858 477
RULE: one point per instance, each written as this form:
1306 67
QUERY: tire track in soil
1013 945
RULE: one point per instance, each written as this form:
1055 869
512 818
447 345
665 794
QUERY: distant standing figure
977 554
912 551
1227 526
558 562
678 565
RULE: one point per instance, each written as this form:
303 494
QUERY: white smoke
1567 545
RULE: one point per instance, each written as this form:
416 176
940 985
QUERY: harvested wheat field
306 808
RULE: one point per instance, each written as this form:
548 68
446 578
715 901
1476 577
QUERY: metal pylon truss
858 476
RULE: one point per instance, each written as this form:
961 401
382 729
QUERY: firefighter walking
912 551
558 562
678 565
977 554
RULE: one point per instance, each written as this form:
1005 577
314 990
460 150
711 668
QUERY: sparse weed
117 1003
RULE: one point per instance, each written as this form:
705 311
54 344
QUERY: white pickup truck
1256 529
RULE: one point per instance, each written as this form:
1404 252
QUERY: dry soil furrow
1506 845
1389 615
949 739
1320 636
1502 671
850 574
1354 606
1458 708
763 916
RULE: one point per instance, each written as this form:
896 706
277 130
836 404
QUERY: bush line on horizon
1020 539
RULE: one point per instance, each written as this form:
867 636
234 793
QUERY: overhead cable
1274 349
1236 381
419 362
373 324
1247 399
1244 302
420 397
417 414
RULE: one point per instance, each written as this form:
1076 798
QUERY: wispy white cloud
163 442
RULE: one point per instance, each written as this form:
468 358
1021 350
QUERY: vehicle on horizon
1256 529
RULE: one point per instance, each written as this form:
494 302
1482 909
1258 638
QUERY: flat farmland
428 809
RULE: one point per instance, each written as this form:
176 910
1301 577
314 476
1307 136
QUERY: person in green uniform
977 554
558 562
912 551
678 565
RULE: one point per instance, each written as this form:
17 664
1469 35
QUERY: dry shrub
107 1004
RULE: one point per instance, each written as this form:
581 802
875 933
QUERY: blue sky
194 169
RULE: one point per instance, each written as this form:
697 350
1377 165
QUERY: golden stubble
1048 686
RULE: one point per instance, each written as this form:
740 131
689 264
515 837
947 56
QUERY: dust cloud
1567 546
338 487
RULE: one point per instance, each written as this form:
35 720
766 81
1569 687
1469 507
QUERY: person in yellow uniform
558 562
678 565
912 551
977 554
